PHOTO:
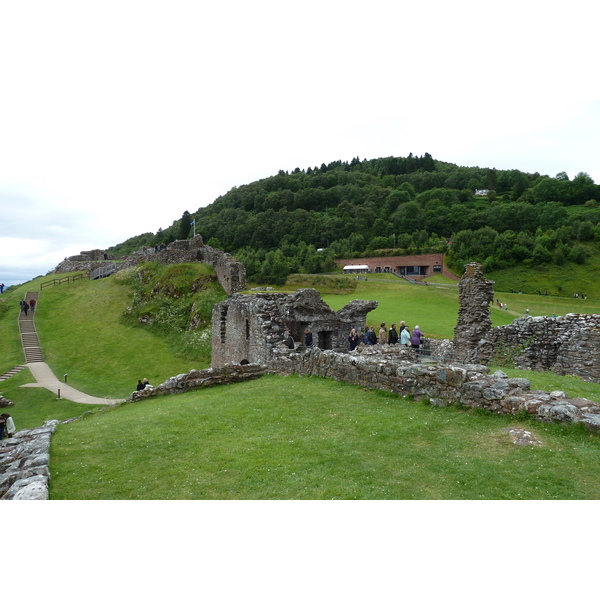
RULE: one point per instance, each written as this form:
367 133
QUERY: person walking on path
372 336
393 336
308 339
382 334
405 335
290 341
32 304
416 338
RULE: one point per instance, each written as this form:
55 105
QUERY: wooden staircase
29 338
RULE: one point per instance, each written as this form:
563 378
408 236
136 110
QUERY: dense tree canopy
304 219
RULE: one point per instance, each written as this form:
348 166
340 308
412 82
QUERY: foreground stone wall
187 382
25 463
442 384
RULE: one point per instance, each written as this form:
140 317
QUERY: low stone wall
25 463
187 382
442 384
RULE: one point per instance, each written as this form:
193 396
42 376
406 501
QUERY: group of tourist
27 306
402 336
7 425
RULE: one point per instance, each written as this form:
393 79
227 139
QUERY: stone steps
12 372
29 338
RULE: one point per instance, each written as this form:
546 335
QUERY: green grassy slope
282 438
312 438
82 334
559 280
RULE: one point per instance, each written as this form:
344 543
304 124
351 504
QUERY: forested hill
301 221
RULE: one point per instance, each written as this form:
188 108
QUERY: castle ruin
230 272
252 328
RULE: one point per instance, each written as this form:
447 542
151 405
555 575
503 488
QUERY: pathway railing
65 279
103 271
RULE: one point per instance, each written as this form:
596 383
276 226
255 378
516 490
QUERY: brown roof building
415 267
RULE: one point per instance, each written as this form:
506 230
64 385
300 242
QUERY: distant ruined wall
88 260
230 272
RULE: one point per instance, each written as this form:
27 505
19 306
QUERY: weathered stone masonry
253 328
249 327
567 345
230 272
470 385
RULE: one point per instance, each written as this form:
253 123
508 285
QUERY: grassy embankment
274 438
310 438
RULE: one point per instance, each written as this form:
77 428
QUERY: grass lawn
81 334
312 438
34 406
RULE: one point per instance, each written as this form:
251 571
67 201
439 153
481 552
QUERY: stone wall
230 272
70 266
187 382
250 327
475 294
442 384
567 345
25 463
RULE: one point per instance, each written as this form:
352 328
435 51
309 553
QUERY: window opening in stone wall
224 323
247 329
325 340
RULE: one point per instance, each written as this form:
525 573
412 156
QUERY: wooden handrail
66 279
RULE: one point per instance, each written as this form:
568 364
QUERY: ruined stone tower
475 294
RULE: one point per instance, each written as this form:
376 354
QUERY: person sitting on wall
308 339
140 386
290 341
9 425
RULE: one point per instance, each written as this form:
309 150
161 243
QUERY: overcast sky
115 117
